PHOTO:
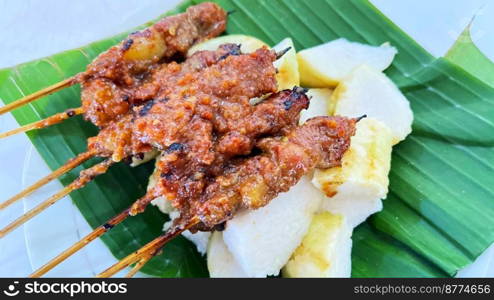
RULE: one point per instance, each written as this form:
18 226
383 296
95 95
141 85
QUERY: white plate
61 225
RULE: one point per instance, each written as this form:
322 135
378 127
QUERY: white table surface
31 29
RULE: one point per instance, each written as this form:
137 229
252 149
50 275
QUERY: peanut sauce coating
184 170
109 80
252 182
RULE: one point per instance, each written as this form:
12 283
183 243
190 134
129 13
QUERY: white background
31 29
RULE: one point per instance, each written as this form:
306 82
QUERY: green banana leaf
439 214
465 54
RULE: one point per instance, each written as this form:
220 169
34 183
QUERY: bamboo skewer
99 231
85 177
34 96
282 52
140 257
45 122
152 248
55 174
139 265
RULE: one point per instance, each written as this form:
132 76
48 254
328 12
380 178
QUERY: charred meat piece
203 154
251 183
271 116
103 101
160 123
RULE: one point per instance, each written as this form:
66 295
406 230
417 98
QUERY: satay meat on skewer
130 92
161 123
183 170
122 138
251 183
171 37
275 115
129 62
106 102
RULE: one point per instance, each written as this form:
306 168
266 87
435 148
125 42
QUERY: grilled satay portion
162 122
252 182
107 79
185 168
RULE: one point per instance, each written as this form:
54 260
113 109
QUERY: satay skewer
99 231
139 265
141 257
